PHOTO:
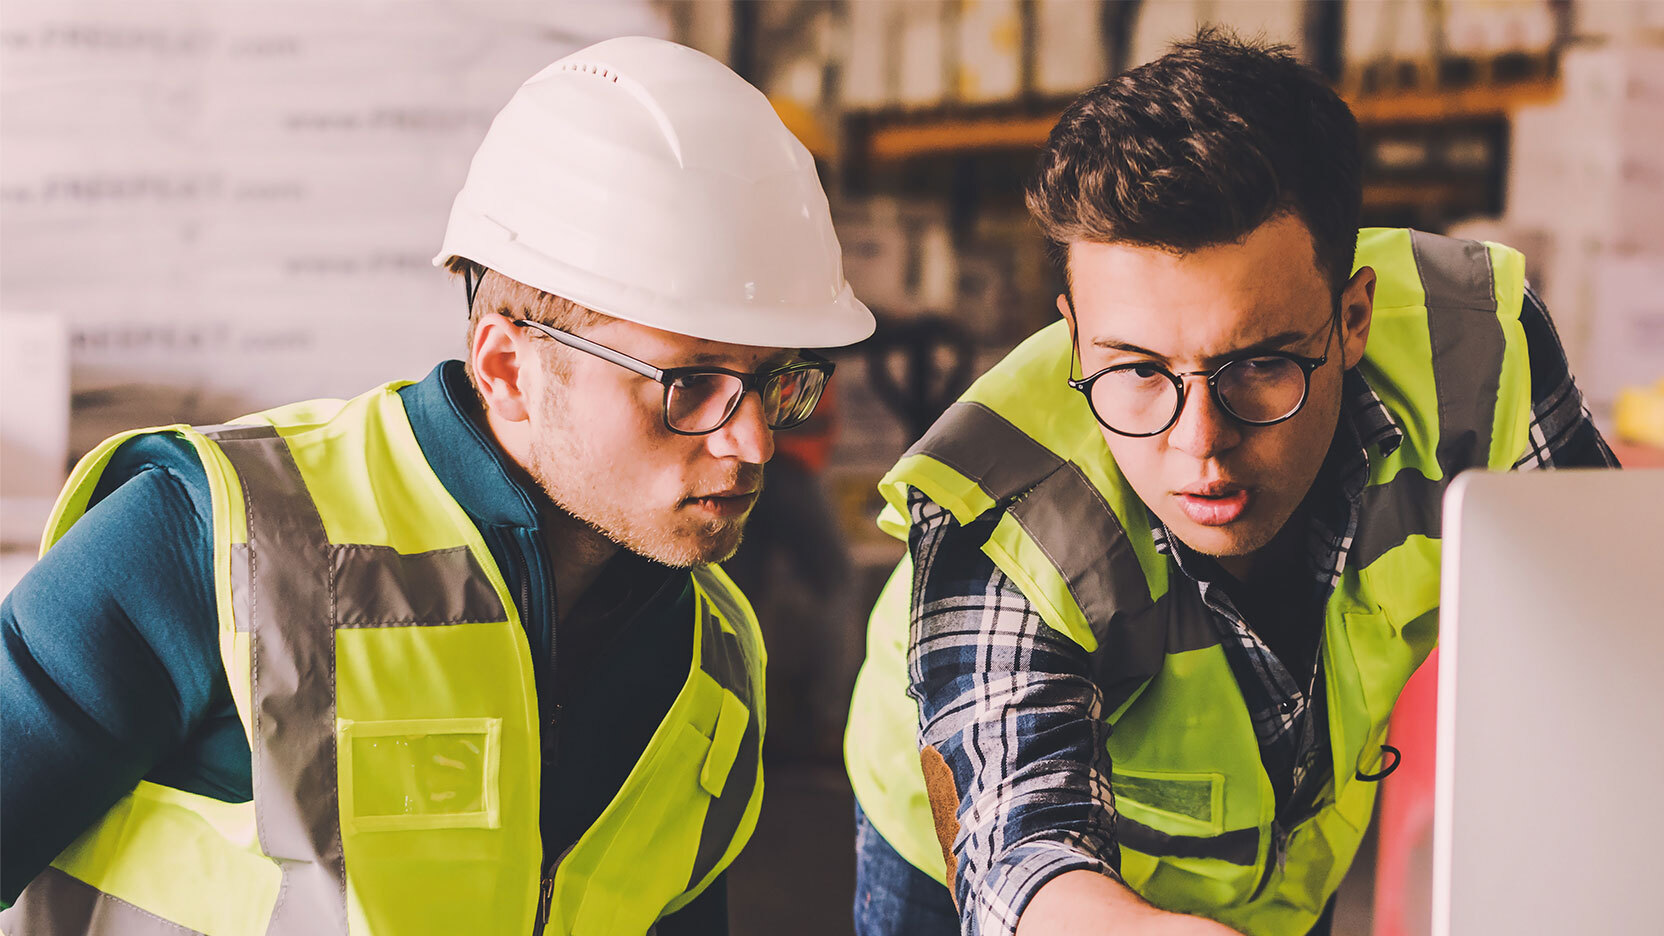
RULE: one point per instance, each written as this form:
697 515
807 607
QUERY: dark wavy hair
1200 147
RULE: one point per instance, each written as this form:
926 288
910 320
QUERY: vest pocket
424 773
1177 802
725 744
1175 849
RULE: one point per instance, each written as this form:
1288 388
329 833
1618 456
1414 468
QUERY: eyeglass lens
702 402
1143 399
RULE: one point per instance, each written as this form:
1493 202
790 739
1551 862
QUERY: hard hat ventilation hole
589 68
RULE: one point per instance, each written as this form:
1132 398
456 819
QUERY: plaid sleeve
1011 706
1563 433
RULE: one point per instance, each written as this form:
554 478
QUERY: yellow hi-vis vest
386 687
1196 815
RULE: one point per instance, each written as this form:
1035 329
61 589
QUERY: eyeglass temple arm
601 351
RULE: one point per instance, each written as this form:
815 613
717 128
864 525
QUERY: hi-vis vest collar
1197 819
385 684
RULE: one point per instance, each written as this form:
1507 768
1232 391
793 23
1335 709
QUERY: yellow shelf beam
912 138
1465 104
958 135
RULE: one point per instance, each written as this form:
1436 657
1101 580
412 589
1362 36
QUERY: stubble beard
584 486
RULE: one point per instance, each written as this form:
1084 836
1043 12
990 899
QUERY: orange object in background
1634 455
1404 859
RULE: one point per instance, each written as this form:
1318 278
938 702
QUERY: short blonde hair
497 293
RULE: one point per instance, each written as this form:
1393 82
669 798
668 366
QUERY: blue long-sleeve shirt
113 673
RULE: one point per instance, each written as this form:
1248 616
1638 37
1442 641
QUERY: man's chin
685 549
1231 541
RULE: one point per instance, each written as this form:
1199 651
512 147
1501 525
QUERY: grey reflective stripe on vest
1069 520
726 657
1467 342
1134 651
1239 847
1408 505
291 588
377 586
985 447
1056 504
59 904
1468 349
292 658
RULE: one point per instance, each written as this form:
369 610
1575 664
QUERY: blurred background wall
211 207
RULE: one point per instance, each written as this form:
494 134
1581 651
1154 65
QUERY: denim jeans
893 898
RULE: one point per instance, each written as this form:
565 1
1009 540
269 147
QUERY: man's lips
730 502
1215 503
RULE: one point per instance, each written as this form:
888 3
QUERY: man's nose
1203 429
746 434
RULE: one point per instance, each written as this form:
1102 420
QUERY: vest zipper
545 898
1276 855
550 720
548 698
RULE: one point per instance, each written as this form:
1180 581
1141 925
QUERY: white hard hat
647 181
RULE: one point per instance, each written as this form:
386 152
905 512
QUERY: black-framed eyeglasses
701 399
1142 398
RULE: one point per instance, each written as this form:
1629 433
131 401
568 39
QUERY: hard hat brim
841 321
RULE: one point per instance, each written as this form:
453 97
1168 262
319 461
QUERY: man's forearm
1085 903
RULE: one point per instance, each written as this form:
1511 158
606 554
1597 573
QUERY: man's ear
1067 309
504 367
1357 310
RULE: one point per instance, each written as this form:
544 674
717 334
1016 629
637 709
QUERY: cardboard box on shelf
875 263
899 256
1282 21
990 59
1618 74
1394 30
1614 203
870 63
1588 166
1158 25
1071 54
922 70
983 303
1620 20
1626 334
1493 27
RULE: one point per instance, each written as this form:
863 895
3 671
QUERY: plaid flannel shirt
1010 703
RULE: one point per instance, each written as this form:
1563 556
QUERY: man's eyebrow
777 359
1275 342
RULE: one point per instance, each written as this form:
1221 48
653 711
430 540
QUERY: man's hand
1085 903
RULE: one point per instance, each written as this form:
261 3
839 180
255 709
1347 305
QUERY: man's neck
577 553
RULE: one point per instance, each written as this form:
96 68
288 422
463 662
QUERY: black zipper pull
545 900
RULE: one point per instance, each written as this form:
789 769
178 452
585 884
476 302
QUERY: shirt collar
1374 423
445 416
